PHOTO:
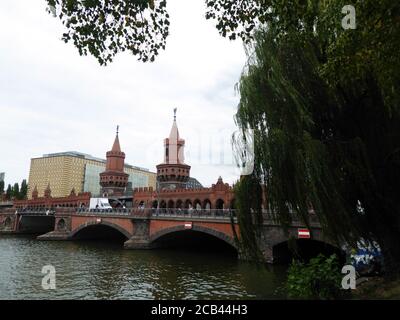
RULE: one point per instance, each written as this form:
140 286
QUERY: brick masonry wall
78 221
159 225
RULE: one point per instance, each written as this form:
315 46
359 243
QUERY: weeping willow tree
333 148
248 199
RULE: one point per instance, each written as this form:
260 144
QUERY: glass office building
65 171
92 179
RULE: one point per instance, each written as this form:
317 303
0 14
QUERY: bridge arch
228 240
304 249
92 224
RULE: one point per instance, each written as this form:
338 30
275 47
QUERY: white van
101 204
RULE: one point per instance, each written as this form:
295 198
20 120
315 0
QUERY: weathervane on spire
175 113
117 129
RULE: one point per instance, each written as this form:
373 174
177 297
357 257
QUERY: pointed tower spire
47 192
116 146
174 145
174 134
35 193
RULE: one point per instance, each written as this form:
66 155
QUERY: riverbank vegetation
320 278
14 192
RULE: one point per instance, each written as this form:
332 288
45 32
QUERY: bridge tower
114 180
173 173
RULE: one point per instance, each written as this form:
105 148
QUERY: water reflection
101 270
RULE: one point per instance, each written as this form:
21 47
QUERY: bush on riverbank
318 279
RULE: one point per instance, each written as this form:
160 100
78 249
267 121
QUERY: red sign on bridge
304 234
188 225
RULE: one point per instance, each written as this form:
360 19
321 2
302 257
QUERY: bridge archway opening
61 224
171 204
101 232
7 222
219 204
195 241
207 204
179 204
304 250
163 204
188 204
197 204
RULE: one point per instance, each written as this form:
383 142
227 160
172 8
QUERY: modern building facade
66 171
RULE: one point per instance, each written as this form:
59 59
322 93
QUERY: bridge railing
35 212
269 217
138 212
194 213
114 211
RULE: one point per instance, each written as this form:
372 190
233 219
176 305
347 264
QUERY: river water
103 270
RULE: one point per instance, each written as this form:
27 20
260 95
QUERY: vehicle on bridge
99 204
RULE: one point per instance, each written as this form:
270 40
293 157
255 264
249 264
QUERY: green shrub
318 279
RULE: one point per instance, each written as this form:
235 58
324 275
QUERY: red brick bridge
152 228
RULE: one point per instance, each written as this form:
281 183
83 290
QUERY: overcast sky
53 100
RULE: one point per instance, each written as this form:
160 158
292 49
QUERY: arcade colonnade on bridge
218 196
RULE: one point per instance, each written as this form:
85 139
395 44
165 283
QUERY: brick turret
114 180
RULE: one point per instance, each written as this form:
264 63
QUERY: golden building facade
73 170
